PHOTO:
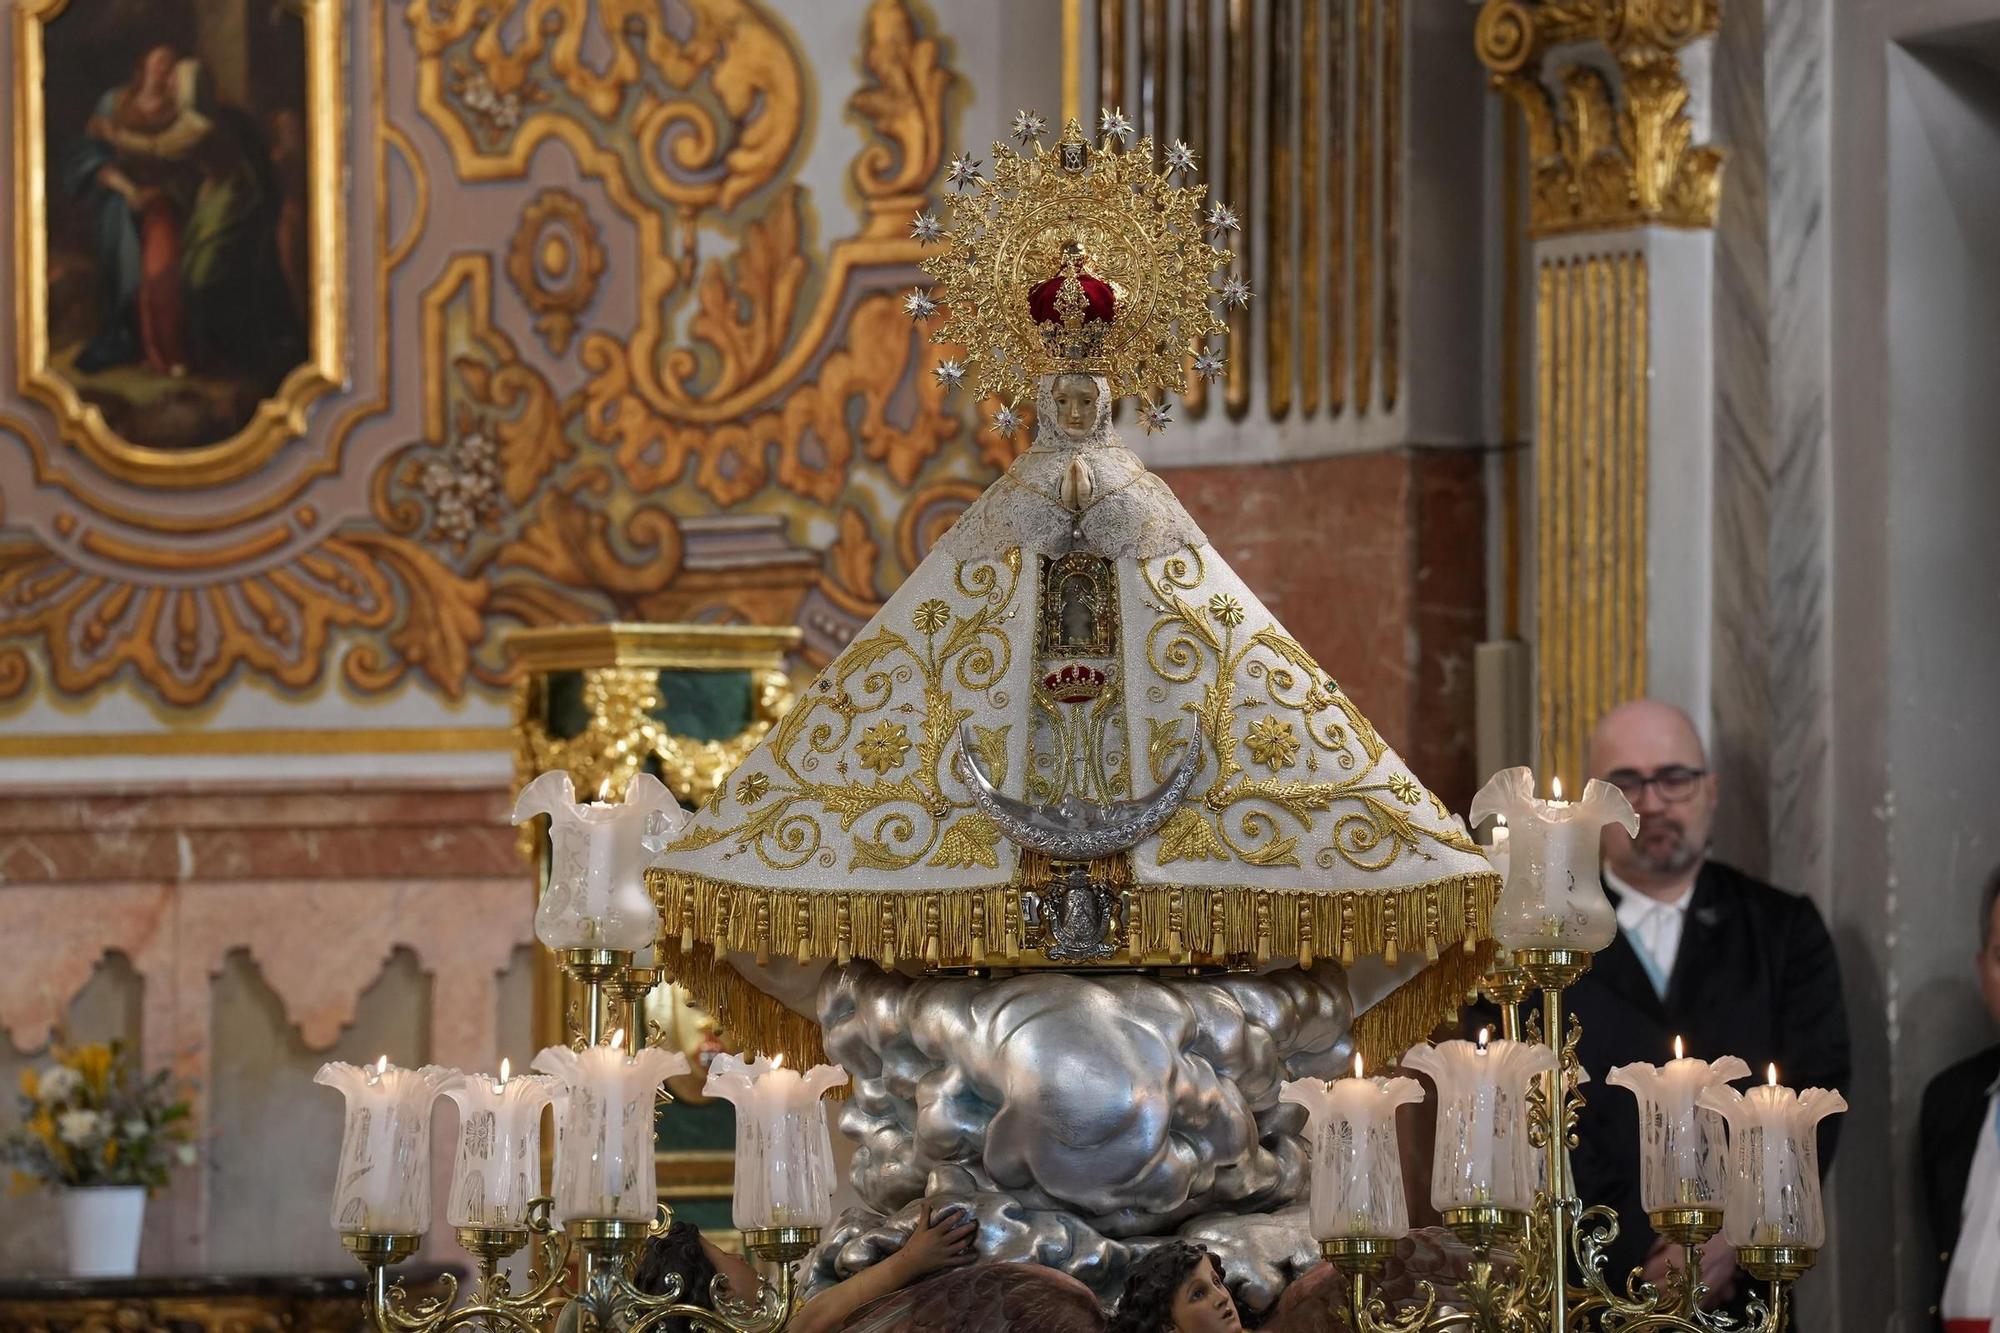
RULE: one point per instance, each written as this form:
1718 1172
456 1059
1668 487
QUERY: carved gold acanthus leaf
1602 158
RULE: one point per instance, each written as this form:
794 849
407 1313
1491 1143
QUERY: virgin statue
1073 855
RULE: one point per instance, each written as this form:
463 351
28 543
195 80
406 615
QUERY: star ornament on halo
1155 417
1028 126
949 373
964 172
919 305
1235 292
1006 421
1115 124
1208 364
925 227
1222 219
1179 158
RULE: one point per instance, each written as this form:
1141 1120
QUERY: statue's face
1076 405
1202 1305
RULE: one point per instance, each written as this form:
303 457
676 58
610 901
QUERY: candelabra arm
389 1313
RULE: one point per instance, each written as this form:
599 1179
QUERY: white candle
384 1182
604 1127
1357 1180
1773 1195
1681 1145
1554 897
1482 1154
784 1154
1498 849
499 1163
596 896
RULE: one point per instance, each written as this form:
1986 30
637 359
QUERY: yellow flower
883 746
94 1063
1272 743
1405 788
1226 610
752 789
111 1152
31 1084
931 617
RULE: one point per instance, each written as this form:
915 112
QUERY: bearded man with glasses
1704 952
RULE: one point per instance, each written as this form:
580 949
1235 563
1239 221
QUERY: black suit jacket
1755 976
1948 1134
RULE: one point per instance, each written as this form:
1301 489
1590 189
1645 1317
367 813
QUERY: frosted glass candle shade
1482 1155
604 1128
1553 897
384 1182
784 1155
1357 1171
499 1163
1773 1194
596 896
1682 1147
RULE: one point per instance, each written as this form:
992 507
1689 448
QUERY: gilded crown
1075 683
1077 256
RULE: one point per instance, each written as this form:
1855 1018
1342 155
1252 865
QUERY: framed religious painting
179 255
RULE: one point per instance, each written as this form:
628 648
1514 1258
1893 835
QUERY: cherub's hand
946 1240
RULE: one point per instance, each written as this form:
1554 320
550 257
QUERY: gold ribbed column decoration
1274 221
1238 43
1196 110
1365 159
1590 487
1320 86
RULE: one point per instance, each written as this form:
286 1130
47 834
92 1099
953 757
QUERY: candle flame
1679 1054
604 788
1499 821
1556 788
503 1069
382 1065
778 1060
1357 1064
1483 1032
1771 1072
618 1039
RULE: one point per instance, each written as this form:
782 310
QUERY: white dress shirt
1652 927
1972 1286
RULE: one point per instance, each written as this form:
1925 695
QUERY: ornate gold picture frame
181 296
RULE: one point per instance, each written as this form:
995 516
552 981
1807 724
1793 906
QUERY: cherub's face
1076 405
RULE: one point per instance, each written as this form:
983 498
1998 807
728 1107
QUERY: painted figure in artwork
176 215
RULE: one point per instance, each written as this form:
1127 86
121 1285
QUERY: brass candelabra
1541 1271
580 1280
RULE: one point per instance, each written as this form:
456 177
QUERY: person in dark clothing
1959 1155
1705 952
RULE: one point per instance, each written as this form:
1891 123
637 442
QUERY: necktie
1650 932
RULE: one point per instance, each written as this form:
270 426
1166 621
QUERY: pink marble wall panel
319 885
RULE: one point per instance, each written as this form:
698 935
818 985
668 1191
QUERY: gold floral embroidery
1405 789
805 791
1272 743
1369 828
883 746
931 617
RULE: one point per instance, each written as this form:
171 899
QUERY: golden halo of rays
1138 231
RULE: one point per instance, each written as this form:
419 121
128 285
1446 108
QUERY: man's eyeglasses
1674 782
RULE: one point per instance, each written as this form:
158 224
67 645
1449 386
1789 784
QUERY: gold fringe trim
1165 926
1418 1007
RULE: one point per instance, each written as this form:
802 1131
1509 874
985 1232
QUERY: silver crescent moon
1072 829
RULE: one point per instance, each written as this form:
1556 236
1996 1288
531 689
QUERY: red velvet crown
1075 310
1099 302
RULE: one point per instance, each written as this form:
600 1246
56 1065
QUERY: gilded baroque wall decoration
1601 159
748 434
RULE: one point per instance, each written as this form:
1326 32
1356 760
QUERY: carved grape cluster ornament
1079 257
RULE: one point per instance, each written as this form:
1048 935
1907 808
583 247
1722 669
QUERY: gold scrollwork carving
554 262
1601 159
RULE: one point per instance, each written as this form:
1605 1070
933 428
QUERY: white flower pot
103 1228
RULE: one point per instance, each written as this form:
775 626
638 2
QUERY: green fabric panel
708 1127
567 716
705 705
710 1215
